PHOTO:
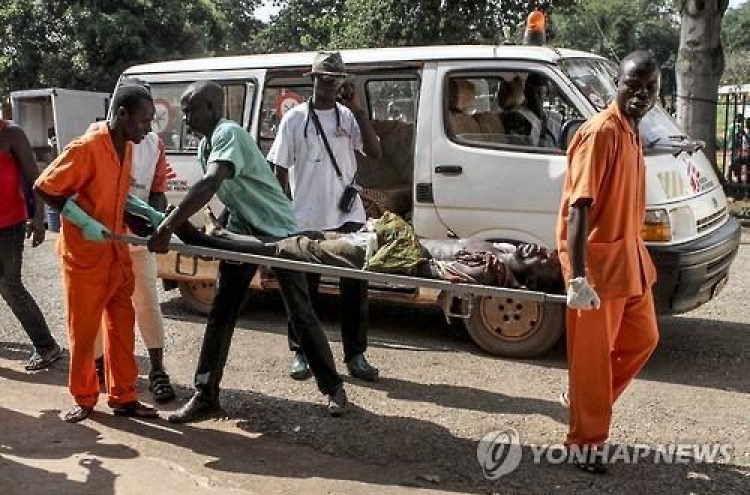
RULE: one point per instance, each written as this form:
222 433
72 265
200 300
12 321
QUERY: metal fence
733 139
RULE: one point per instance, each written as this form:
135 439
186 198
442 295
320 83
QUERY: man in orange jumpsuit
603 256
88 183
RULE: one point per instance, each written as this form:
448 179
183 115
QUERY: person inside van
536 90
521 124
461 96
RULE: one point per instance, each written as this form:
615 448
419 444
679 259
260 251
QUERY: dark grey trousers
14 292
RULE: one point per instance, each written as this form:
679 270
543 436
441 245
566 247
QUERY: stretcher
455 289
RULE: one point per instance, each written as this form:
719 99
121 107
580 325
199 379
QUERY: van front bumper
691 274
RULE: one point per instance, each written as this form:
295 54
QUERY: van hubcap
510 319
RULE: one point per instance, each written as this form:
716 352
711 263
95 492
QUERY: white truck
56 112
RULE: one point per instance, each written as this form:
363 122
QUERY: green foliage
86 45
736 68
319 24
735 32
614 28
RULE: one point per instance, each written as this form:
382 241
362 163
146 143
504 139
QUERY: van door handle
449 169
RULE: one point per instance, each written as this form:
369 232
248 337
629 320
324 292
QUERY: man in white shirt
313 154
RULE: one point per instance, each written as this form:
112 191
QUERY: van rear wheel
198 295
509 327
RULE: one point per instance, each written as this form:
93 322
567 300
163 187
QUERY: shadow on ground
286 438
26 440
715 350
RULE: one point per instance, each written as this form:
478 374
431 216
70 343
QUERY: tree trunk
700 62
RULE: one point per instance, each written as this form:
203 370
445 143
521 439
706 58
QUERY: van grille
716 218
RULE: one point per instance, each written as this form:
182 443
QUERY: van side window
387 181
511 108
277 100
393 99
168 122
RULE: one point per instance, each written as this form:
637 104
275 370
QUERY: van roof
365 56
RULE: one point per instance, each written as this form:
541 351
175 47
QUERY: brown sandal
77 413
160 386
134 410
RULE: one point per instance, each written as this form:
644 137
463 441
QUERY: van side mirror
569 130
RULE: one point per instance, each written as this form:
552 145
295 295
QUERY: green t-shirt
253 196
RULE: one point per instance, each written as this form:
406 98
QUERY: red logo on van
695 177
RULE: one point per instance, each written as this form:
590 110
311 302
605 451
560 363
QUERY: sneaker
564 400
359 368
337 402
44 358
300 370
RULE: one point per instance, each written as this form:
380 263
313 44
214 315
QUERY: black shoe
299 370
42 359
337 403
359 368
197 409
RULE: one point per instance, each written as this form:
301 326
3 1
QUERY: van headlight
683 223
656 227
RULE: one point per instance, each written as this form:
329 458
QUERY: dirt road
418 427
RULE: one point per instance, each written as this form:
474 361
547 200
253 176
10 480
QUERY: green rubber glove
137 206
92 229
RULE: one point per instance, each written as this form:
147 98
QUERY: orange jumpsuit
609 346
98 276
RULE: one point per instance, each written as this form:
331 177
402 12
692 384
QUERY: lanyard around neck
311 110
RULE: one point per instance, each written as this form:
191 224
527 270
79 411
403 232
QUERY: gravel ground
418 427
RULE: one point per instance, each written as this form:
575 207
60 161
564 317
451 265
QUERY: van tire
512 328
198 295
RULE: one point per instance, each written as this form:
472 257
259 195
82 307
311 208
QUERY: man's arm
578 229
282 175
21 150
370 141
158 201
196 198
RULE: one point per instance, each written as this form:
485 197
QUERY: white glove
581 295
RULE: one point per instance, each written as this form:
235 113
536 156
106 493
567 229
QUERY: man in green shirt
235 170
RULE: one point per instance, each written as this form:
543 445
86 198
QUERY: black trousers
232 284
354 309
14 292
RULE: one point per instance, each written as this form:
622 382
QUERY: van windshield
596 80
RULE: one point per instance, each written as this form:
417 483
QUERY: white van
468 168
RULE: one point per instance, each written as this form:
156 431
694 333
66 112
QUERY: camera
346 203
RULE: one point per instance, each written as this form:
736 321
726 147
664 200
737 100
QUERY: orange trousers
94 296
607 348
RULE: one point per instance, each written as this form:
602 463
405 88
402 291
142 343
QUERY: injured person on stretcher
388 245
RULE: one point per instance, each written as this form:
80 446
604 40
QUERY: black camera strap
316 122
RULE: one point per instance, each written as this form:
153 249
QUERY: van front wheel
508 327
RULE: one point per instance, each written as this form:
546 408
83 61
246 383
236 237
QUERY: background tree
700 63
340 24
614 28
